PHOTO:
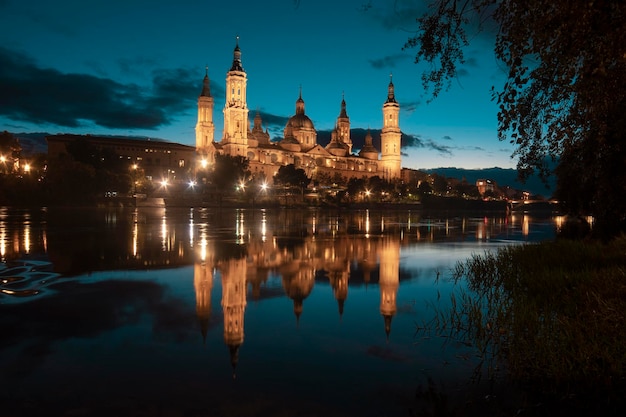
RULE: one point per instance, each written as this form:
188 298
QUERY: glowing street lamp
134 167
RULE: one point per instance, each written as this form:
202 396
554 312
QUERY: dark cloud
410 106
388 61
398 14
442 149
273 120
47 96
462 72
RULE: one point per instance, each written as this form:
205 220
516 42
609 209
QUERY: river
223 312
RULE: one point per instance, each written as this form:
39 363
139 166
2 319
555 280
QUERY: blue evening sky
135 67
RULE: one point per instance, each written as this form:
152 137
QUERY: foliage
229 171
551 313
289 175
565 90
9 149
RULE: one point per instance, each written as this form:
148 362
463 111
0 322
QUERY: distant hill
502 177
32 143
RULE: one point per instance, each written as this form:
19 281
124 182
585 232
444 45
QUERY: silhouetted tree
10 150
290 176
228 172
565 92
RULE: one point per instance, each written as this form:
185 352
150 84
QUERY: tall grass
552 315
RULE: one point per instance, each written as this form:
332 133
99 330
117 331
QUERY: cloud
388 61
47 96
410 107
273 120
399 14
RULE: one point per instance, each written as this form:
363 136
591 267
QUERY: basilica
299 144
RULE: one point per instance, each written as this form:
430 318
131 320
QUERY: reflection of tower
203 283
233 305
339 284
338 268
298 286
389 279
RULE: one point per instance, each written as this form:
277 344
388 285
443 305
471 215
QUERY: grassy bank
548 317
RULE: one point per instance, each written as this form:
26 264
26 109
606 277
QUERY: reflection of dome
298 287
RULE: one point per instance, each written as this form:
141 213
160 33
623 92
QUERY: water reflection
349 268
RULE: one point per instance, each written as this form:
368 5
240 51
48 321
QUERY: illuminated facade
298 145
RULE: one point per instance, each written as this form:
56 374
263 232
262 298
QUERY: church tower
390 136
205 129
235 139
343 126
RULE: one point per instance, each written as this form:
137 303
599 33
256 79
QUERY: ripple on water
24 279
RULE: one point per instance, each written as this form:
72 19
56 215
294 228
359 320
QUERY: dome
301 121
337 148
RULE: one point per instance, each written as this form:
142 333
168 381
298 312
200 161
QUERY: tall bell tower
390 136
205 129
235 139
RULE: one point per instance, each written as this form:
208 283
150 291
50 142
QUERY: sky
135 67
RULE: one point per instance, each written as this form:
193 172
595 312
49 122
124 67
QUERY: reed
549 315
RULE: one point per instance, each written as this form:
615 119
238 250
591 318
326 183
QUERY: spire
234 357
343 113
391 97
387 324
206 84
300 103
237 58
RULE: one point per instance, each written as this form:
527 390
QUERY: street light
134 167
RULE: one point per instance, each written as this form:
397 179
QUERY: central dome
300 121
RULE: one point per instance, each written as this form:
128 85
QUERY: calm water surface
194 312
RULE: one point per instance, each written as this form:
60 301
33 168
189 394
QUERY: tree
564 96
289 175
9 152
228 173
